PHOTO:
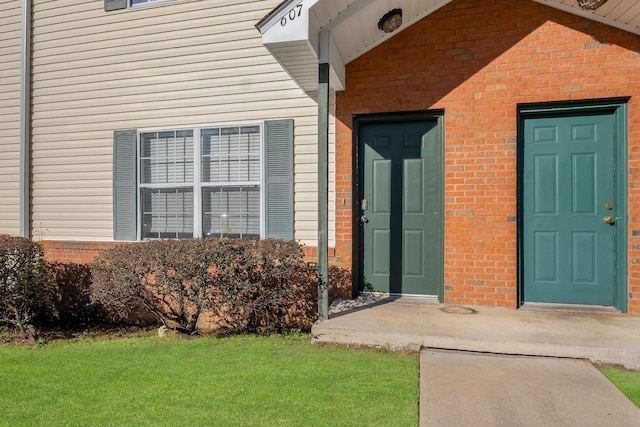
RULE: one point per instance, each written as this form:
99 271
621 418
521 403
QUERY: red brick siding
311 254
477 59
85 252
74 252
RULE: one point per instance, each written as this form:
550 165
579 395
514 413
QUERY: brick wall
477 59
74 252
85 252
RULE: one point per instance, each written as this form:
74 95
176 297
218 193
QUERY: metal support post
323 191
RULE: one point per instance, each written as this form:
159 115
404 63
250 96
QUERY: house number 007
295 12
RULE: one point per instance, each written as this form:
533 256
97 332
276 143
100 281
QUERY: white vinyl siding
10 27
183 63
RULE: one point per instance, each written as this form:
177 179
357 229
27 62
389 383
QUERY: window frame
147 3
197 185
113 5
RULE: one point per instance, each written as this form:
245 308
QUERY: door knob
364 219
609 220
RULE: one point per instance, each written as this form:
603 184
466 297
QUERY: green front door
401 173
569 209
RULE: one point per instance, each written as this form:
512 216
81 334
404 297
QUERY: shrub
124 282
264 286
23 290
241 285
340 282
69 291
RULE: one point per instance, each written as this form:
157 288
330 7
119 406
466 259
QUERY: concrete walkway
481 366
471 389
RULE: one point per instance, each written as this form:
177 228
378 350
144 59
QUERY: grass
239 381
627 381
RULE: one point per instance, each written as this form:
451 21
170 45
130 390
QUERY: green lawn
239 381
627 381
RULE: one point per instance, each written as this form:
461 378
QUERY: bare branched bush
245 285
23 290
69 286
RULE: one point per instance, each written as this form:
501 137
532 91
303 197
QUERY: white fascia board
336 78
594 16
290 23
293 24
329 54
337 67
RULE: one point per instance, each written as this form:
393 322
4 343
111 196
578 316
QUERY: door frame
358 186
618 108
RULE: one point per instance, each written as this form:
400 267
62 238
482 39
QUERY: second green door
570 209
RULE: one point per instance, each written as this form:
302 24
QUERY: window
204 181
110 5
231 181
136 2
167 184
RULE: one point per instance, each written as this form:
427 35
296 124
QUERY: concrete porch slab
414 324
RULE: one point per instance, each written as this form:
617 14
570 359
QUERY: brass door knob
609 220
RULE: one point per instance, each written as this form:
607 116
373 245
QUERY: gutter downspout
25 121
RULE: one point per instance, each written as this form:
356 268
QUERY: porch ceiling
302 33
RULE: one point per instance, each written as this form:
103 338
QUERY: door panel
401 165
569 176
